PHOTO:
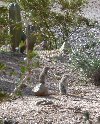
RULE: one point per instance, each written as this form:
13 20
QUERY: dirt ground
52 109
92 10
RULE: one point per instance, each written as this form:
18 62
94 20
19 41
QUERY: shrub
87 62
4 96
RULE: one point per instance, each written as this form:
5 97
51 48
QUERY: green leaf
2 66
23 69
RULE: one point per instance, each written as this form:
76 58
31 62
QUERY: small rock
44 102
9 121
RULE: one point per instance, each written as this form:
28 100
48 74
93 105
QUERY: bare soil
55 108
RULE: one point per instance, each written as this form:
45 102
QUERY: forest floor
52 109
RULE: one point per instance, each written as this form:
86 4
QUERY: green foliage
1 121
3 15
23 69
2 66
72 4
3 96
26 69
32 60
85 60
22 43
85 64
4 37
18 93
32 54
41 14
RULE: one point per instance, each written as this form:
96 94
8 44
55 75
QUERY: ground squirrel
43 75
40 89
63 85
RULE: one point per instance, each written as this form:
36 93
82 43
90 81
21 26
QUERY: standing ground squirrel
63 84
40 89
43 75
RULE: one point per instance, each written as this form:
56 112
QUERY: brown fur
63 85
43 75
